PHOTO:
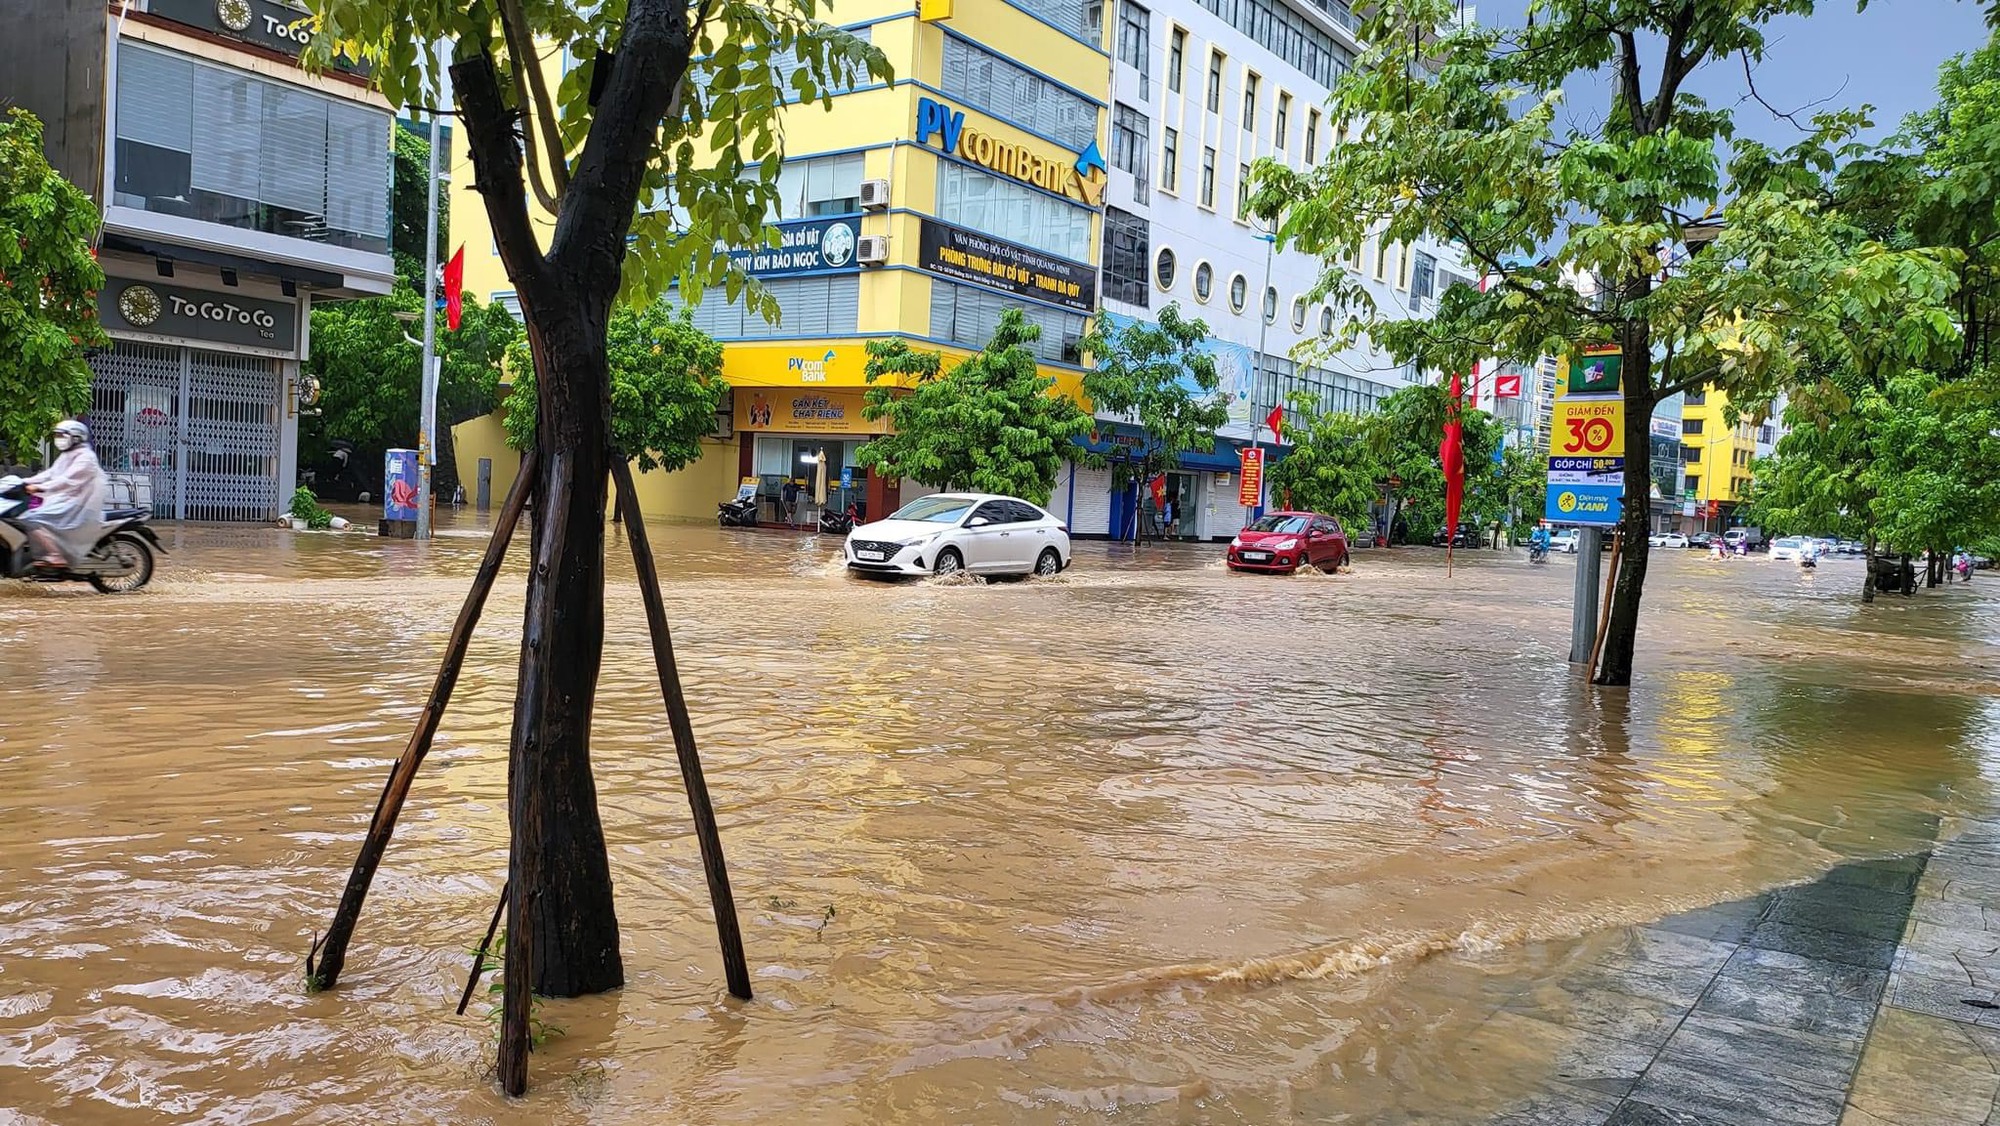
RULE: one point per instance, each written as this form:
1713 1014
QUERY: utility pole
1257 363
1583 599
427 419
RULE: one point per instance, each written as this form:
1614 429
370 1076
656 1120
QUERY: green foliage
1523 482
1158 376
991 423
305 506
370 393
1413 425
1333 465
412 152
48 290
666 386
714 163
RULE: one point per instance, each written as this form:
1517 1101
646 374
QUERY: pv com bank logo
810 371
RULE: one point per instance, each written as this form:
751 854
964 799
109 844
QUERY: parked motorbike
738 513
121 562
838 523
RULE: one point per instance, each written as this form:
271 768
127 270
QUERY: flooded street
1145 843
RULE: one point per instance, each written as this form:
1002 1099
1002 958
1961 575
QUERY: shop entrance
204 426
1182 514
781 459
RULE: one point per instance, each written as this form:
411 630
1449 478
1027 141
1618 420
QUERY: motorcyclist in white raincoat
73 489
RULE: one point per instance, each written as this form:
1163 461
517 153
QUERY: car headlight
1236 542
1286 545
921 540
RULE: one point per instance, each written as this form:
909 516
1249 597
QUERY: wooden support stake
517 999
479 955
734 966
1604 613
333 948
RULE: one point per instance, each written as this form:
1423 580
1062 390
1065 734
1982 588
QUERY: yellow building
920 207
1717 458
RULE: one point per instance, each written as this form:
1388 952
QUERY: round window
1164 267
1204 282
1239 292
1298 314
1326 320
1270 304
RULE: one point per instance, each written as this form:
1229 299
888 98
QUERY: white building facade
1201 89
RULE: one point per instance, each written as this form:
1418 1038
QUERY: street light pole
1257 374
427 420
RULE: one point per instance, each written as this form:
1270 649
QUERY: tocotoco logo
1080 177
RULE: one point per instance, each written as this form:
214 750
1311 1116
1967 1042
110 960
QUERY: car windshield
1788 541
1288 524
934 510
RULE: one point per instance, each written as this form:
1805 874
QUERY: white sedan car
1667 539
950 532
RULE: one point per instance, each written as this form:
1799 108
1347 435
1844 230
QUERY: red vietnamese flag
454 289
1276 421
1451 456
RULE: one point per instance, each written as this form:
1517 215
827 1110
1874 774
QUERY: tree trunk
561 875
1868 574
1636 378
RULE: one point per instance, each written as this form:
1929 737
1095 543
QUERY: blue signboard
399 485
807 247
1585 490
846 476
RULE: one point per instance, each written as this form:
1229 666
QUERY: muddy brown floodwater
1146 843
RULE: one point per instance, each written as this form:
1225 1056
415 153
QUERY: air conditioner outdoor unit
874 194
872 250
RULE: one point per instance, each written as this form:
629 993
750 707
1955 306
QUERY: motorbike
1808 562
1537 553
121 562
838 523
738 513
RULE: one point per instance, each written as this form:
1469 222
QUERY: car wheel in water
1346 560
134 559
949 562
1050 563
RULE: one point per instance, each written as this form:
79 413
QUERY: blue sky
1886 56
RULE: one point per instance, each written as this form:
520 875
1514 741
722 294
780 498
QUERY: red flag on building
1276 421
454 289
1451 456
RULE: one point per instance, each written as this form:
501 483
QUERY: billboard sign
1587 442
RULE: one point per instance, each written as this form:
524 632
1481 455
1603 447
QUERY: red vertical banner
1251 479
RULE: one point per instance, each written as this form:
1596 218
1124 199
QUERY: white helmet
73 428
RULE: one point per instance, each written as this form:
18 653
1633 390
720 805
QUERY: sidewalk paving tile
1737 1093
1921 1068
1831 946
1951 999
1789 991
1632 1113
1764 1050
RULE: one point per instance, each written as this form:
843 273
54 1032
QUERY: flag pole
427 370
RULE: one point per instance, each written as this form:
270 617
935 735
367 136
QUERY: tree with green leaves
48 290
666 387
991 423
1589 231
1157 376
1412 421
368 369
410 202
1334 465
675 103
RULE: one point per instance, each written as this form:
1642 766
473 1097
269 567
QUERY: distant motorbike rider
1538 541
65 526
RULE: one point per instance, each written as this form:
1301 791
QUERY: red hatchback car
1287 541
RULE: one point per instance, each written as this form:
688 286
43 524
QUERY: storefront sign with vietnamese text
1587 442
1251 488
970 256
800 411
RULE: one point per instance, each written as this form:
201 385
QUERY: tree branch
496 169
652 58
527 85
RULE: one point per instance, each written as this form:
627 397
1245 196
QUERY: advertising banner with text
969 256
1587 442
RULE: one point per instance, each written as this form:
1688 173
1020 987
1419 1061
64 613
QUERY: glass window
1164 266
967 315
1271 24
934 509
1298 313
1073 16
1208 178
1403 267
1239 293
980 78
1134 42
816 306
1422 279
1127 249
1287 525
1312 136
1242 191
994 512
1131 148
1282 123
1204 282
1270 303
1696 398
1009 209
1250 82
1326 320
822 185
1215 82
1170 160
1176 58
1692 425
226 146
